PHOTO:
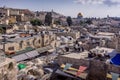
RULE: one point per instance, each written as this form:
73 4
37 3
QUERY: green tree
81 23
36 22
69 21
57 22
48 19
89 21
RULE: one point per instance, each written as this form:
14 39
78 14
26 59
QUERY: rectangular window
52 39
46 41
11 48
39 41
28 43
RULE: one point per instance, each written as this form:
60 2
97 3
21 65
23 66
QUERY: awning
25 56
44 49
20 57
32 54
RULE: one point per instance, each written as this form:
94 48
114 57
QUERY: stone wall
8 70
97 71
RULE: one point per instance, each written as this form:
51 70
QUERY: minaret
52 13
8 12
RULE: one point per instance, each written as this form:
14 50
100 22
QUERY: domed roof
79 15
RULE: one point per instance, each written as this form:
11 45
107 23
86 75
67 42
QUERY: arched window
21 44
34 41
10 66
39 41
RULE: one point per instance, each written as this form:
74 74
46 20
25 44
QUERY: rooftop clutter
38 48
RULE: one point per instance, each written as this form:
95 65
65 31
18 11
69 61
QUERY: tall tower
53 16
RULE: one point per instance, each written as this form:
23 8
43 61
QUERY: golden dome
80 15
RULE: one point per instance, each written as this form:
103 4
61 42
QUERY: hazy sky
89 8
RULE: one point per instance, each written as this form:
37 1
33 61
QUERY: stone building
8 69
6 29
55 16
18 14
14 45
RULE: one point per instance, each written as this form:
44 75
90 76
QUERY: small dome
79 15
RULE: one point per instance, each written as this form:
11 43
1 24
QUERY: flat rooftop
81 55
22 38
101 36
106 33
104 50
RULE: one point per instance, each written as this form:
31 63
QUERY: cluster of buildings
14 15
30 52
11 15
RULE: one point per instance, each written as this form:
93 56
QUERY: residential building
16 43
18 14
6 29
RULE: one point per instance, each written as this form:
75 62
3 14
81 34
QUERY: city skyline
89 8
